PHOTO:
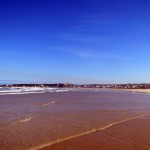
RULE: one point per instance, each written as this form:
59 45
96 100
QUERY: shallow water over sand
31 121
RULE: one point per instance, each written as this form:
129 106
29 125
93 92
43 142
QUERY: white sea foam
19 93
28 90
62 90
24 120
46 104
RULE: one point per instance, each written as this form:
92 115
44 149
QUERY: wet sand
132 134
47 120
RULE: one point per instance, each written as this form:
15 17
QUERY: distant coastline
128 87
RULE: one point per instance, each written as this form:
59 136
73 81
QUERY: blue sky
80 41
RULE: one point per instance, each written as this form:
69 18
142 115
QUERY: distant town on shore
68 85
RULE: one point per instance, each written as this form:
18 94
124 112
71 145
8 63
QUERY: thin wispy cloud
99 55
97 22
86 55
84 39
92 54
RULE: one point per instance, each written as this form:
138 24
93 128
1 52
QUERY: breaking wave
28 90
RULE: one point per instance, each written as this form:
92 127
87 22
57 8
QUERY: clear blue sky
79 41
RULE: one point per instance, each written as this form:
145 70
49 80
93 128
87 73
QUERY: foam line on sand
85 133
24 120
46 104
18 121
21 120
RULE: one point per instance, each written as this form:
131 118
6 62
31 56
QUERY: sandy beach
138 90
80 119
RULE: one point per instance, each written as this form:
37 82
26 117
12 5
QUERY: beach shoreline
135 90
